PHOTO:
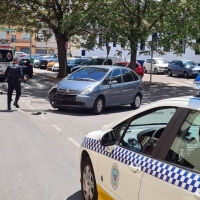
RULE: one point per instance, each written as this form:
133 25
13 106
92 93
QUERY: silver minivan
96 87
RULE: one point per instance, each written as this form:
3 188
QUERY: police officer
14 76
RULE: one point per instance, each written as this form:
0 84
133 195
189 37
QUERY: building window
2 35
25 36
13 38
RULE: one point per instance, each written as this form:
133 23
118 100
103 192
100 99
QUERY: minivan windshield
88 74
6 55
160 61
72 61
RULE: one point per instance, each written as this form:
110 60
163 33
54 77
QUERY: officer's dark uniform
14 77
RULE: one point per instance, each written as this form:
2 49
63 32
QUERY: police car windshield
6 55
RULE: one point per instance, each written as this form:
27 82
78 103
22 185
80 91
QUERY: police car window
144 132
185 149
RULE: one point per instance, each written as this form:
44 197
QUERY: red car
139 70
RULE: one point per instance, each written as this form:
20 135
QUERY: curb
49 77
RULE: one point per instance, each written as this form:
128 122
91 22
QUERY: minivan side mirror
108 139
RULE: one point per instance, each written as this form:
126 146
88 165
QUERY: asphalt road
39 153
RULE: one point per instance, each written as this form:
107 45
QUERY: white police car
153 153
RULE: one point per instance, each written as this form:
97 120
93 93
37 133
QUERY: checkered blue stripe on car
173 175
119 154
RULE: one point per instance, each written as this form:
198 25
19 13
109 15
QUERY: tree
129 22
65 18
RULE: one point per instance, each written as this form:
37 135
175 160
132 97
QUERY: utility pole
153 47
30 47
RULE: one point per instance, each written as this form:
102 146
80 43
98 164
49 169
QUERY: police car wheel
88 182
98 106
136 102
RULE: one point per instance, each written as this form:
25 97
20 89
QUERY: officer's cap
15 59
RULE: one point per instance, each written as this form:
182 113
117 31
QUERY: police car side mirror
108 139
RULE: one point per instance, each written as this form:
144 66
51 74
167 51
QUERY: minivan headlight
87 90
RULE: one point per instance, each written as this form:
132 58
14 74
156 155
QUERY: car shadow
75 196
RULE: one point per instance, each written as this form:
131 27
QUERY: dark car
44 62
72 62
82 64
184 68
27 67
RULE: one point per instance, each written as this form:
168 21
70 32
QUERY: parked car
19 54
82 64
27 67
71 63
37 60
151 153
159 65
186 68
96 87
55 67
105 61
51 64
139 70
44 62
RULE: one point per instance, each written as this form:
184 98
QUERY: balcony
17 40
20 41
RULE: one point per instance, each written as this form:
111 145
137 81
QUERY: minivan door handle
197 195
135 169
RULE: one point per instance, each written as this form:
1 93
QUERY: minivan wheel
185 74
98 106
170 73
88 182
136 102
145 71
155 71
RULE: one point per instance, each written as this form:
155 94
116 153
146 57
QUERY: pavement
39 153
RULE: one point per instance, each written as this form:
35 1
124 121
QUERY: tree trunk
133 56
62 52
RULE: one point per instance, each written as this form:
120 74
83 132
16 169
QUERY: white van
19 54
6 56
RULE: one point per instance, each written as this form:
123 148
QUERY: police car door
175 175
121 167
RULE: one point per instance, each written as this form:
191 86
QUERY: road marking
74 142
43 117
58 129
29 106
21 111
22 100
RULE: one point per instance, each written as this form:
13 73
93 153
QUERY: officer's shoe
16 104
9 109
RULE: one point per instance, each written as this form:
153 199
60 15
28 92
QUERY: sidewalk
152 92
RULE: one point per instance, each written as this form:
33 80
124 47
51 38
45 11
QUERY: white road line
43 117
22 100
58 129
74 142
29 106
21 111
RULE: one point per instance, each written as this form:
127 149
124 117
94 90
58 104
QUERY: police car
152 153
